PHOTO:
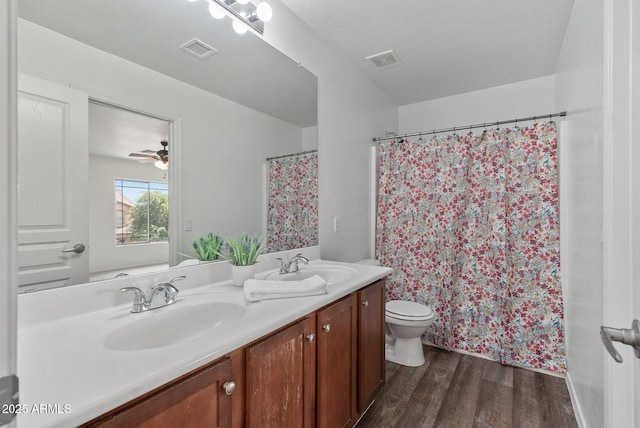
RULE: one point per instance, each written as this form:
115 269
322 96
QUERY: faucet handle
283 265
139 300
177 278
139 294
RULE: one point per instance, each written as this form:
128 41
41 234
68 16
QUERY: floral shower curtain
470 225
292 207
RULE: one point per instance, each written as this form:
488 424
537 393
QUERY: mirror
225 112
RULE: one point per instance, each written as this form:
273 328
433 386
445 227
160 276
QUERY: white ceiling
115 132
246 69
447 46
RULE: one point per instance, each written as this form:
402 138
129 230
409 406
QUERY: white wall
310 138
104 254
351 110
579 85
521 99
222 178
8 213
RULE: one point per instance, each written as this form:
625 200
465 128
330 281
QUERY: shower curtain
470 225
292 207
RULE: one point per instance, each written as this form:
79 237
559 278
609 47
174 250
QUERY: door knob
78 248
327 327
628 336
310 337
229 387
365 303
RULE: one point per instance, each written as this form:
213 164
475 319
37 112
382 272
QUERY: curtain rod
293 154
478 125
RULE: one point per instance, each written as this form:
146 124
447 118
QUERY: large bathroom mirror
102 84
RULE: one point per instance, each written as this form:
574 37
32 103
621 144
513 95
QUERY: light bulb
264 12
239 27
161 165
216 10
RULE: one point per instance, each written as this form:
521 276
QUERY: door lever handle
78 248
628 336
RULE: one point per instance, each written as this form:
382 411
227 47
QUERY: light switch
188 225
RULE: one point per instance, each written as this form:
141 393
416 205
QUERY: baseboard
577 409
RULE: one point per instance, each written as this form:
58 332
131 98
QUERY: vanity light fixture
244 14
216 10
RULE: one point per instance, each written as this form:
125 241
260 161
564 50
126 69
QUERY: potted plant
242 252
207 247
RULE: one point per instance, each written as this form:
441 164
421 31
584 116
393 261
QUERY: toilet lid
403 309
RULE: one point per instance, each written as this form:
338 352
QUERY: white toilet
406 323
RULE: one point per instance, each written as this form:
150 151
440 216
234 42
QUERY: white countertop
63 364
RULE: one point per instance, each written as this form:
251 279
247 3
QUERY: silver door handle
628 336
78 248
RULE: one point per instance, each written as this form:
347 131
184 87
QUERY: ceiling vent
384 59
198 48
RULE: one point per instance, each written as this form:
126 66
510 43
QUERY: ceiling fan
160 157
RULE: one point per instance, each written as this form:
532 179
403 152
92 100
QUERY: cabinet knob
310 337
365 303
327 327
229 387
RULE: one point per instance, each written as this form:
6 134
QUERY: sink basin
332 274
183 321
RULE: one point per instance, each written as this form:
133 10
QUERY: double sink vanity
211 358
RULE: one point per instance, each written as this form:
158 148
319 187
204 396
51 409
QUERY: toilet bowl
406 323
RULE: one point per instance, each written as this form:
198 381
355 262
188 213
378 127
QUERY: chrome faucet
291 265
166 289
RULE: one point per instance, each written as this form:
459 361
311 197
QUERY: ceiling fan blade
143 155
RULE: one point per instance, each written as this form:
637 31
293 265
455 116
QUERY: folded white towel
260 289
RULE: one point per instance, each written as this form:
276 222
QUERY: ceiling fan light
239 26
161 165
215 10
264 11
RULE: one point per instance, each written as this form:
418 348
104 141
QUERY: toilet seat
408 311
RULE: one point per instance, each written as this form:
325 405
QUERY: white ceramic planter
239 274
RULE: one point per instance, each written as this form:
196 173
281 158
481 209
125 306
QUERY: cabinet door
337 359
371 362
198 400
280 380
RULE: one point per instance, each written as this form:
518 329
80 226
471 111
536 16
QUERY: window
142 212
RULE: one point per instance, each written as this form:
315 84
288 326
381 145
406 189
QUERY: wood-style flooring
457 390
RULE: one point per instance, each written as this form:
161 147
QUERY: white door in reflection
53 227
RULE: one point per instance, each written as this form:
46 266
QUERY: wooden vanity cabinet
323 370
351 363
281 378
197 399
371 341
337 364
